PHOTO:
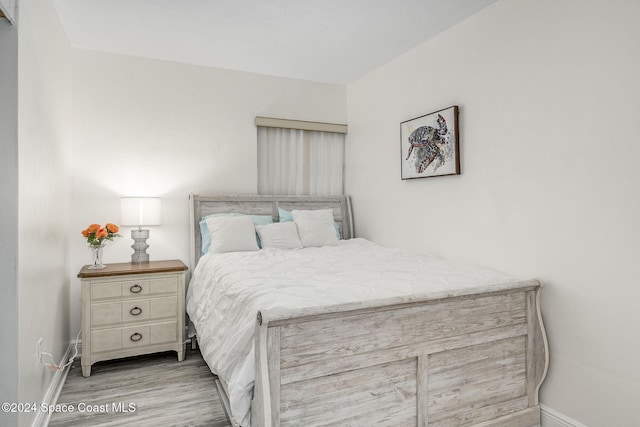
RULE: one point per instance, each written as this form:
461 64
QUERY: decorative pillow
315 227
282 235
232 234
204 231
285 216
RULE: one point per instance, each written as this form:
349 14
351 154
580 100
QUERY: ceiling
333 41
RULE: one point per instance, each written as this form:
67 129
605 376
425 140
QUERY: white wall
44 134
9 217
157 128
549 96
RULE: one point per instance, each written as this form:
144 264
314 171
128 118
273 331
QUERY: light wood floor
165 392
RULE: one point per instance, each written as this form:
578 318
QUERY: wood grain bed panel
475 358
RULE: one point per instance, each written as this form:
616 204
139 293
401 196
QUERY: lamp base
139 246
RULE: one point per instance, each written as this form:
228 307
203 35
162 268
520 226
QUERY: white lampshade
139 211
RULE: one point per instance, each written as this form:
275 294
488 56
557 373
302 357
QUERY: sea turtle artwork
430 146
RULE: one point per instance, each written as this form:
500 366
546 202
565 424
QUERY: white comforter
227 290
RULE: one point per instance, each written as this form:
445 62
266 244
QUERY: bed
469 349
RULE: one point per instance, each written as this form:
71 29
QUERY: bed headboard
264 205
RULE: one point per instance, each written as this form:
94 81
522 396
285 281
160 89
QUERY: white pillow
232 234
283 235
315 227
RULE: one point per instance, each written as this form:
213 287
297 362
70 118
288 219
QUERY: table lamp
139 212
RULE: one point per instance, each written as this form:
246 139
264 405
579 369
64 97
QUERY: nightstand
129 309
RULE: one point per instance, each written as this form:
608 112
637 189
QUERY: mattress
227 290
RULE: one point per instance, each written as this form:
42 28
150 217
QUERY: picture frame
429 145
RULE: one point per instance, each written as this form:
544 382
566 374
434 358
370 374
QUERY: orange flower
96 235
112 228
102 232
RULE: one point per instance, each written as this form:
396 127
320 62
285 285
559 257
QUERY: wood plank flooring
162 391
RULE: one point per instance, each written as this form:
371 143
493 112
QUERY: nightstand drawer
113 313
136 310
133 336
150 309
160 333
106 313
165 285
105 290
159 286
133 288
163 307
106 340
111 290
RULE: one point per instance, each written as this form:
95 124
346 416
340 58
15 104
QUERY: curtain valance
271 122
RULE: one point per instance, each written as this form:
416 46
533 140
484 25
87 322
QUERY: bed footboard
468 358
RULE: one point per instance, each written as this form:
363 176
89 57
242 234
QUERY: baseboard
53 392
552 418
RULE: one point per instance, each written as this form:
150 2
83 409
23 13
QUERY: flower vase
96 257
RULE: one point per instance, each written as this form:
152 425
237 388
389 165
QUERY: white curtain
326 163
297 162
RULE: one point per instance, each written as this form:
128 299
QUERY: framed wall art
429 145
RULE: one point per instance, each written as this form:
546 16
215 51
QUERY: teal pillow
285 216
206 237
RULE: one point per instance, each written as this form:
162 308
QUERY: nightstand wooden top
124 268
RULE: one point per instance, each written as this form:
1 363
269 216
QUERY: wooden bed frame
468 358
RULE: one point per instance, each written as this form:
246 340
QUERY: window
295 161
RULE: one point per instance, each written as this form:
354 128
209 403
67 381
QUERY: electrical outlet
40 351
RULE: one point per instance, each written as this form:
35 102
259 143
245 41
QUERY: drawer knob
135 311
135 289
135 337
